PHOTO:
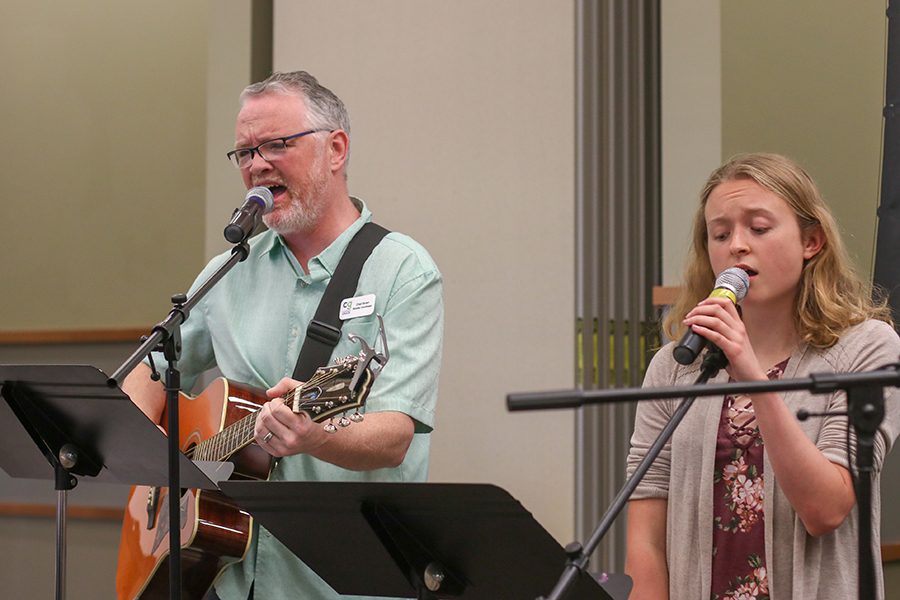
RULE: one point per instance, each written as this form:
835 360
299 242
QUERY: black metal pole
65 459
866 412
817 383
887 251
172 352
64 482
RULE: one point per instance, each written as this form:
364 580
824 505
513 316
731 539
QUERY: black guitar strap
324 331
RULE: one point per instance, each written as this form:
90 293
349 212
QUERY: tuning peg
356 417
343 421
329 426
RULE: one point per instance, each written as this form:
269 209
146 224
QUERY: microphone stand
713 362
866 412
166 336
865 403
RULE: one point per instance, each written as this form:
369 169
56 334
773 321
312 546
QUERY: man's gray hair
324 110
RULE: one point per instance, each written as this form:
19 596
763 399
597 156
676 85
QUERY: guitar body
214 532
218 425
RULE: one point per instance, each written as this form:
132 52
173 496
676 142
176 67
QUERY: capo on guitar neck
369 355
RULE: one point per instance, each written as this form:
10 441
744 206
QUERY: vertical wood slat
617 187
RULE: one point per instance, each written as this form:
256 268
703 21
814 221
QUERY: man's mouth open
277 191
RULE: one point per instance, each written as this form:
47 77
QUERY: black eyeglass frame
232 155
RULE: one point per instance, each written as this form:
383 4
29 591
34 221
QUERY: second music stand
437 540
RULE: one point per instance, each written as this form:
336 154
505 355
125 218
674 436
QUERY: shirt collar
329 257
323 264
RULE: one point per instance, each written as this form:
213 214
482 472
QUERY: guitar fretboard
228 441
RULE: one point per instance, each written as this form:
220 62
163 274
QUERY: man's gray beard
301 216
306 207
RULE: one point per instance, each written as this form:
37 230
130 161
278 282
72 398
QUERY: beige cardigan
800 566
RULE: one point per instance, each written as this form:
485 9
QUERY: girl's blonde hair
831 296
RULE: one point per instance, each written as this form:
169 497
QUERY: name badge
357 307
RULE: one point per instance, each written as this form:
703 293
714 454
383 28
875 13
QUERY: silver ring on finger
268 437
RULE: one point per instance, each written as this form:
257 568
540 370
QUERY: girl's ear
813 242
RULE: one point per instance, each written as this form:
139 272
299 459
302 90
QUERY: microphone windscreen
262 196
736 280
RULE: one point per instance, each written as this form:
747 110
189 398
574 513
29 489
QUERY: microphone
258 202
732 283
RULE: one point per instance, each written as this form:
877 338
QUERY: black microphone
259 201
732 283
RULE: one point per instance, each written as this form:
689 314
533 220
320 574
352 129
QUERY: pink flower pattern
738 566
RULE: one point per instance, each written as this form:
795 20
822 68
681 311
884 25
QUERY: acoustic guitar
217 425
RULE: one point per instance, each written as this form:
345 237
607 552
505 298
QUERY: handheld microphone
259 201
732 283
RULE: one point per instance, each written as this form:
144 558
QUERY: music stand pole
67 458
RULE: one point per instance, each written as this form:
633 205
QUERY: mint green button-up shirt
252 325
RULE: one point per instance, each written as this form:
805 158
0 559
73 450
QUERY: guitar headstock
331 391
343 386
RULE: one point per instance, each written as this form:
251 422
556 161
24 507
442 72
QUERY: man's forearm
149 395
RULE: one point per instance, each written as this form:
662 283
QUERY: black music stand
438 540
62 421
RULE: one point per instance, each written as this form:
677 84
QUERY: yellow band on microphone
722 292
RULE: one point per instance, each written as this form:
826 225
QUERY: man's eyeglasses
269 151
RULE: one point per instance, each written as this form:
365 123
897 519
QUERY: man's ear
339 149
813 241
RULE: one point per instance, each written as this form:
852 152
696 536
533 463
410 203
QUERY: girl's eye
760 229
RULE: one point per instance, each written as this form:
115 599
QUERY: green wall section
806 78
103 127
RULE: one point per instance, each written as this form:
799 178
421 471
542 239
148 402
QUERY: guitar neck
228 441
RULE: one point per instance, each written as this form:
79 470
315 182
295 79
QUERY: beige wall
691 118
103 121
230 70
802 78
462 119
29 558
103 174
806 79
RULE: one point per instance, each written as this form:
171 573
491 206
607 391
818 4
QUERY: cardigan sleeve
865 347
650 419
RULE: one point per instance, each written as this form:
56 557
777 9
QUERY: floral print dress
739 546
